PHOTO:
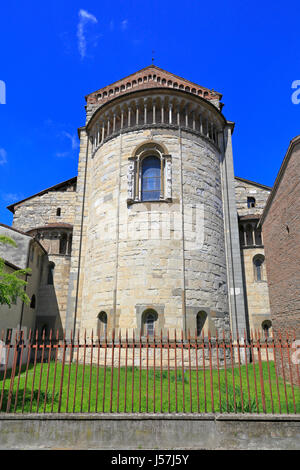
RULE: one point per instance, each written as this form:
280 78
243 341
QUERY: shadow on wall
48 316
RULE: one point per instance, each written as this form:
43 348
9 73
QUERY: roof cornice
293 143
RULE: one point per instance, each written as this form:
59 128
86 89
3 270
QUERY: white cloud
73 139
84 18
74 145
124 25
3 155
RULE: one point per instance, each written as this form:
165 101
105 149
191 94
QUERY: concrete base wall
138 432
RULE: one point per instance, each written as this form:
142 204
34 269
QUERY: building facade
280 222
155 233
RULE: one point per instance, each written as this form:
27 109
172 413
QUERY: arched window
250 202
151 168
58 212
258 262
149 319
266 326
201 319
32 302
149 174
102 323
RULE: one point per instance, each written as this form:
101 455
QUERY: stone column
129 116
170 113
162 114
201 124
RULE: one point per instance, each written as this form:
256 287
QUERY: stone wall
245 189
281 230
124 275
153 431
256 292
40 210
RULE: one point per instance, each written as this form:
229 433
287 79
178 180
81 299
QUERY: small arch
258 264
148 322
164 81
140 80
117 89
200 92
181 87
169 83
193 90
266 327
102 323
99 96
158 79
122 87
104 94
200 321
111 92
205 93
187 88
58 212
33 302
128 85
251 202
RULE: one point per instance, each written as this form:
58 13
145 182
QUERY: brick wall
281 231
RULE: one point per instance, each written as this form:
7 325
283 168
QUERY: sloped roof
263 186
66 183
136 81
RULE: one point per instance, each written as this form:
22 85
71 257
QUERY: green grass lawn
193 393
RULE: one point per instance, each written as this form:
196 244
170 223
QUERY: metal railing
164 373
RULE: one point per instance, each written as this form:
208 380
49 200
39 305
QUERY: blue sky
54 53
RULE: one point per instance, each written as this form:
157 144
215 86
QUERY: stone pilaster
233 254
